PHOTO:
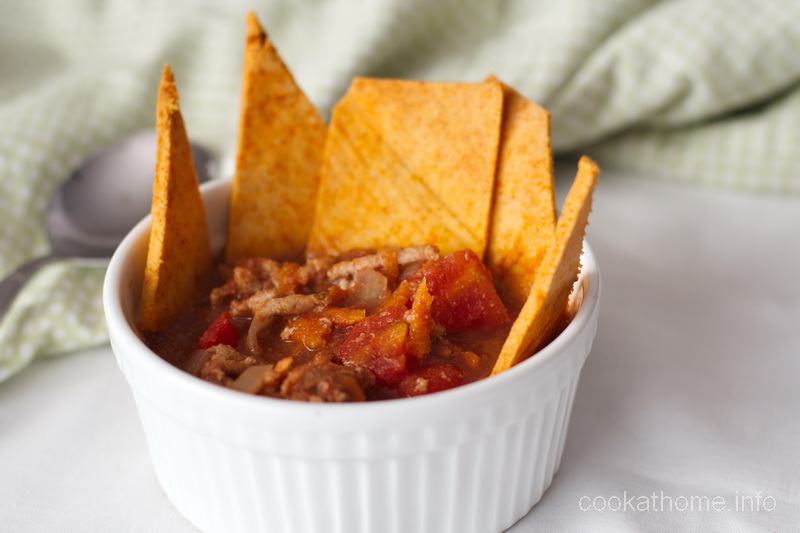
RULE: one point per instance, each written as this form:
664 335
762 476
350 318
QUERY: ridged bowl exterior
472 459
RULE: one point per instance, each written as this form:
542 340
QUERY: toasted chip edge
279 152
523 215
179 253
542 316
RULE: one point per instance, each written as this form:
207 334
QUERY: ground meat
327 382
225 364
260 275
313 273
264 305
414 254
386 259
245 307
244 279
222 296
348 268
264 269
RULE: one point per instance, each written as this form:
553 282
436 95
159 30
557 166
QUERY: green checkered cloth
702 92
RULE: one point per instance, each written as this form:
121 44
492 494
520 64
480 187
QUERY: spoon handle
11 285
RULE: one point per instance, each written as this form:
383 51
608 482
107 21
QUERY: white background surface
688 400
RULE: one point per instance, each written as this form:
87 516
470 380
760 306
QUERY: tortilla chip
281 142
523 211
179 253
371 198
446 135
543 315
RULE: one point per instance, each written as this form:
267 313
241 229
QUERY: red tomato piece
419 323
379 343
464 296
432 378
221 331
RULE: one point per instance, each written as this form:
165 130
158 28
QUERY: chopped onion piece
370 289
196 361
252 379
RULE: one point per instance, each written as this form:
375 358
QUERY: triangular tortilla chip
543 315
179 253
281 142
447 134
523 211
371 199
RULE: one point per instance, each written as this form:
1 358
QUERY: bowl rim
122 333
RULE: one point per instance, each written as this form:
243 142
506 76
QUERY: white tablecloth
686 417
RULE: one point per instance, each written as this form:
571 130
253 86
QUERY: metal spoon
98 204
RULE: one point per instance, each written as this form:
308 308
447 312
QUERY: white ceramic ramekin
471 459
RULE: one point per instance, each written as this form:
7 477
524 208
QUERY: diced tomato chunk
401 295
344 316
313 331
379 343
310 331
432 378
419 322
464 296
221 331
